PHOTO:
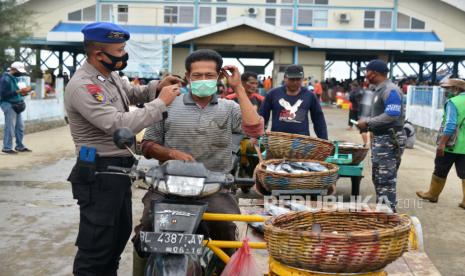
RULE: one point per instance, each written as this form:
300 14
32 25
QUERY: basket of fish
337 241
291 174
358 151
288 145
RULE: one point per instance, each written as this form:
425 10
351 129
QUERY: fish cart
349 159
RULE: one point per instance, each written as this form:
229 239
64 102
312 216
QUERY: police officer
451 142
97 103
386 123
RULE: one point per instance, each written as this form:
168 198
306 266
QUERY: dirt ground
39 218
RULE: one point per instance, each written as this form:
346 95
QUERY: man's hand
169 93
362 124
179 155
234 78
440 150
167 81
25 90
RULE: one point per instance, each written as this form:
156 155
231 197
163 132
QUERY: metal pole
433 73
394 15
196 13
296 55
191 47
294 14
420 71
351 63
358 69
391 66
97 11
60 62
455 69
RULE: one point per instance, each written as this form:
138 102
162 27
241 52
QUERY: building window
88 14
221 14
369 21
407 22
270 16
321 2
75 16
305 17
106 12
286 17
385 20
123 13
171 14
306 1
403 21
418 24
287 1
205 15
320 18
186 15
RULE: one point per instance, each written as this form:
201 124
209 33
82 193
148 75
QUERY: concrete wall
178 57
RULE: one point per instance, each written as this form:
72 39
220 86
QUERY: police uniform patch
96 92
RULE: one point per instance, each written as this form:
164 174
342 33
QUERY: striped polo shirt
204 133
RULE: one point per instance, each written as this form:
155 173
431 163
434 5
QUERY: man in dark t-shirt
291 105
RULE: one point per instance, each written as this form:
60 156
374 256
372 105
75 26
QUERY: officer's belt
385 131
104 162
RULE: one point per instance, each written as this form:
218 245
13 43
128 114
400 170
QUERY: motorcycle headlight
183 186
187 186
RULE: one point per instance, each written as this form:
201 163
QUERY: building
428 35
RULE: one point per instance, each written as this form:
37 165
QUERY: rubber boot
138 264
435 189
462 205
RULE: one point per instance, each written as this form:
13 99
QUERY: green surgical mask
204 88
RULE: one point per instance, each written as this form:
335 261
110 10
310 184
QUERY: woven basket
286 145
358 154
287 181
349 242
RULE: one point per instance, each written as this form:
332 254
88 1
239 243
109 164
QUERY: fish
274 210
315 167
258 226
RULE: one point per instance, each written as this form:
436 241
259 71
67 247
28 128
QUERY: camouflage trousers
385 158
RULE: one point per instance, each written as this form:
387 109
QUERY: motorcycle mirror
123 138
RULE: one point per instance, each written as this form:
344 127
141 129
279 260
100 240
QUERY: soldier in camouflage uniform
386 124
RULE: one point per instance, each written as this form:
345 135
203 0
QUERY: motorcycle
174 247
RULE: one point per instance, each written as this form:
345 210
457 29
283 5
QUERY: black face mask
117 63
17 74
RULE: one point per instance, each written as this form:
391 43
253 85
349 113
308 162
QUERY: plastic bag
242 263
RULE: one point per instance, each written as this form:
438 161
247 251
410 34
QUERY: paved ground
39 218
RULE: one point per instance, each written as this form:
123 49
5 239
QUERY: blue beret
105 32
377 65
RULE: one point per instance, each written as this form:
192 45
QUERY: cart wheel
355 185
245 190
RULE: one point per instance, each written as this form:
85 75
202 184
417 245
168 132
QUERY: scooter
174 246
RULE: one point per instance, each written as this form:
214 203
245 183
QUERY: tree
15 25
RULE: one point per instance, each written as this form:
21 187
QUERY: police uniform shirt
96 106
386 110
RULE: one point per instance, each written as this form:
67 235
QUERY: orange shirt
267 84
317 88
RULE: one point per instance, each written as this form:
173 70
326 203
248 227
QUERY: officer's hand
179 155
169 80
169 93
362 124
440 150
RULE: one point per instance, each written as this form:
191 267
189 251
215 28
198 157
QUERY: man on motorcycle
199 127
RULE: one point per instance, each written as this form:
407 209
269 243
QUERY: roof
320 39
244 21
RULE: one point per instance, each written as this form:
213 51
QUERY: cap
458 83
377 65
105 32
294 72
18 65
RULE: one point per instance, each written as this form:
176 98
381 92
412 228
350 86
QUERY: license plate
175 243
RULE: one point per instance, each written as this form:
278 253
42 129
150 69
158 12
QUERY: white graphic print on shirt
289 113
